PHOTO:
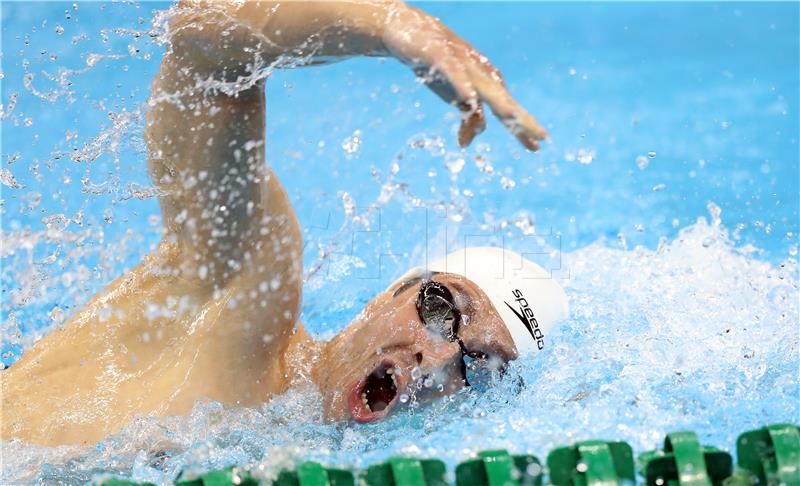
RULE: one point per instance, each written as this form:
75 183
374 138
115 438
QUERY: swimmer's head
412 342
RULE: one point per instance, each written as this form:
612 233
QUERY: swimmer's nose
439 368
491 343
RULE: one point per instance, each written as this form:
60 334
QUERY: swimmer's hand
319 32
458 73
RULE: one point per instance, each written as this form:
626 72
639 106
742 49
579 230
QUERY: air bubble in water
404 398
59 30
659 187
642 162
416 373
651 154
507 183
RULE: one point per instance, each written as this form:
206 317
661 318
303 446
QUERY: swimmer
212 312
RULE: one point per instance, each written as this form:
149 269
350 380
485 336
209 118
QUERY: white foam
695 335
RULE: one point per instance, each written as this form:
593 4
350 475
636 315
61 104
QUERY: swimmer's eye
437 311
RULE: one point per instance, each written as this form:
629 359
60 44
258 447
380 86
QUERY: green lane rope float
499 468
123 482
683 462
220 477
592 463
769 456
406 471
313 474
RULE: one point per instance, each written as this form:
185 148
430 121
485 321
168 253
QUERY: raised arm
206 127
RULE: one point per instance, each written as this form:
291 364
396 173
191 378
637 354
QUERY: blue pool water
666 202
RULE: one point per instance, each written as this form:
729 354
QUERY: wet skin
212 312
390 335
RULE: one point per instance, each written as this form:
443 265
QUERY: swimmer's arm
328 30
205 128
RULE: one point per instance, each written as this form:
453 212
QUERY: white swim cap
527 297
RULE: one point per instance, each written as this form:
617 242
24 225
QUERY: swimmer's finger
518 121
473 122
491 88
449 80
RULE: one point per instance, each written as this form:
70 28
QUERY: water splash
691 335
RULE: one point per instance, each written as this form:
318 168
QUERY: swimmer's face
411 341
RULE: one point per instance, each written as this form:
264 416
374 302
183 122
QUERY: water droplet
715 212
8 179
352 143
533 469
56 314
455 166
585 156
507 184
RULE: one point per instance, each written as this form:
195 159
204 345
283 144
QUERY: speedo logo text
525 314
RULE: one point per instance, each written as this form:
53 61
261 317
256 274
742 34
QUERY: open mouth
374 395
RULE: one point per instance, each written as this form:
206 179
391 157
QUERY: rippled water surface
666 202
